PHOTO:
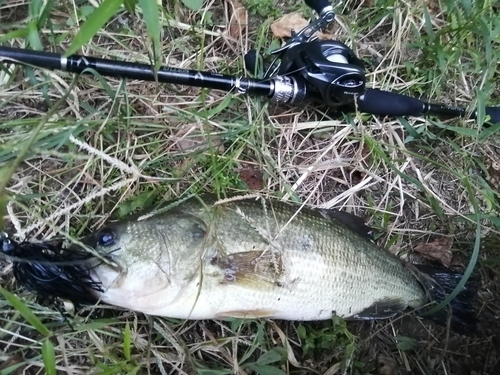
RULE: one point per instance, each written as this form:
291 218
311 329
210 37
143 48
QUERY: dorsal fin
355 223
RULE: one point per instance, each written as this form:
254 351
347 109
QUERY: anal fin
246 314
382 309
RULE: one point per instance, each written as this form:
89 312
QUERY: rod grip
317 5
494 113
378 102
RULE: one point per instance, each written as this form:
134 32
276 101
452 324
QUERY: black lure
47 270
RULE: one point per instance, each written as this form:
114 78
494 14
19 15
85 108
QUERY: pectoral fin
248 314
382 309
256 269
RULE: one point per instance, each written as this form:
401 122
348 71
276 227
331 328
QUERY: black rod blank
80 64
372 101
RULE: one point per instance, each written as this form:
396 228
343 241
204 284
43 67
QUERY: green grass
77 151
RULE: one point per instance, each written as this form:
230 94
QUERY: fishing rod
304 69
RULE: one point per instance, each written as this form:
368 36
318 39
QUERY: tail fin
439 282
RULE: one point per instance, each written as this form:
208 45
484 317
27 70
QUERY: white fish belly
313 290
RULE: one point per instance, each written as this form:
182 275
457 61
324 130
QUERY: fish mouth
89 248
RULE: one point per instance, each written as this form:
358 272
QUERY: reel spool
330 69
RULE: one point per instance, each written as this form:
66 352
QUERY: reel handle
318 5
385 103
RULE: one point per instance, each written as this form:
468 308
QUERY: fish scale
202 260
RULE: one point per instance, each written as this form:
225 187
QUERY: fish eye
7 246
106 237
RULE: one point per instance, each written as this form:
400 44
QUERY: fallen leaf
191 137
335 369
387 366
12 361
434 6
252 177
439 249
282 28
238 21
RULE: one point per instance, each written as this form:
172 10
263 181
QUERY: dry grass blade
113 148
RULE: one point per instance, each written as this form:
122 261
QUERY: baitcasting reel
305 69
326 70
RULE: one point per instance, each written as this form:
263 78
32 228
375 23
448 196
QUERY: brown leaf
188 137
433 6
439 249
11 361
252 177
387 366
191 137
238 21
282 28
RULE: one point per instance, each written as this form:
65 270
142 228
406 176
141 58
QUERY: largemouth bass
253 258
